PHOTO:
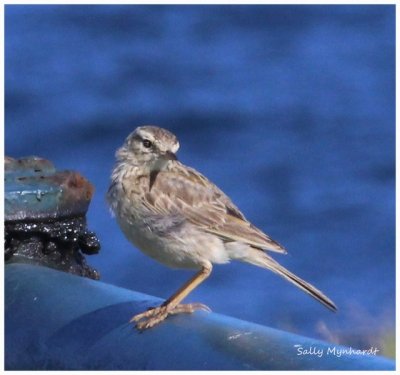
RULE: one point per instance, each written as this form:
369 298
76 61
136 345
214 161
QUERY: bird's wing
183 190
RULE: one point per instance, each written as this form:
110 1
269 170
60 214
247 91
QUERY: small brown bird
178 217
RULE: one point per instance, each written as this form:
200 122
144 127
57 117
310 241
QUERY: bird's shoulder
185 188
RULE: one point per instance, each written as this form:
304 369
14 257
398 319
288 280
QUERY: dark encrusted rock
45 220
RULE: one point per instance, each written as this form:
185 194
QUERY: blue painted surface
27 167
35 190
89 330
290 110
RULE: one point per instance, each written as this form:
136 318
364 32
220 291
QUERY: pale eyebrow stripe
138 137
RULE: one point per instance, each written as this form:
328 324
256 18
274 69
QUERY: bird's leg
172 305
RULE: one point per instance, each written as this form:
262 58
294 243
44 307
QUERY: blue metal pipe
59 321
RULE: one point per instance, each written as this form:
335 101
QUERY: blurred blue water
289 109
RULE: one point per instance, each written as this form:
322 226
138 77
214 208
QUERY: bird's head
149 147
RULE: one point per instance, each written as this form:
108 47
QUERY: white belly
186 247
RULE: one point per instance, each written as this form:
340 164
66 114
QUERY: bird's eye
147 143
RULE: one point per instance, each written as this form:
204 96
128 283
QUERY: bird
175 215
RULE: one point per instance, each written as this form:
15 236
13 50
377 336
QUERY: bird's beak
169 156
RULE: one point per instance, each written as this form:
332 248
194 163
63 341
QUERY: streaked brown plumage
177 216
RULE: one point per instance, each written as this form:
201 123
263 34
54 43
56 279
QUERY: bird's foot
189 308
156 315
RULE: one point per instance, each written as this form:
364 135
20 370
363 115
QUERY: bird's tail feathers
261 259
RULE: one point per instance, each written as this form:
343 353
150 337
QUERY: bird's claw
189 308
156 315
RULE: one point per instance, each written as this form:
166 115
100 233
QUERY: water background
289 109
